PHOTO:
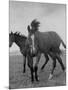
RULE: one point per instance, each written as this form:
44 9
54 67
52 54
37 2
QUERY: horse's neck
20 43
37 34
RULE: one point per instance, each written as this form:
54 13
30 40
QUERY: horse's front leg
30 65
36 66
24 64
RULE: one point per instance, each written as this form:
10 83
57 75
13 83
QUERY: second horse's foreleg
30 65
47 59
24 64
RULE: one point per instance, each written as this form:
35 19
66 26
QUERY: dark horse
20 40
47 43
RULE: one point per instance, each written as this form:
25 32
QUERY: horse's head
33 27
31 35
32 40
11 39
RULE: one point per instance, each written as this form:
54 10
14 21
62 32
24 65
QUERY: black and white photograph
37 44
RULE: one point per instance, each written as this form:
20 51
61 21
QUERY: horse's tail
63 44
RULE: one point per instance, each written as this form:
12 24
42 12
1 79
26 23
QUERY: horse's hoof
50 77
37 79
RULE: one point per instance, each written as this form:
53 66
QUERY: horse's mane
35 24
20 34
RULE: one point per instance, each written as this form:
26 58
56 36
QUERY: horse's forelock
34 21
35 24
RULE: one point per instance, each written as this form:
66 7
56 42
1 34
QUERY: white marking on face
32 37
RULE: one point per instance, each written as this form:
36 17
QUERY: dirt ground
18 79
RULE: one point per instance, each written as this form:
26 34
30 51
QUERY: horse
20 40
47 43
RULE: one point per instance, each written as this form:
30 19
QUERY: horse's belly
44 47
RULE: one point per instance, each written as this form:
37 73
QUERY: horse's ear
28 28
11 32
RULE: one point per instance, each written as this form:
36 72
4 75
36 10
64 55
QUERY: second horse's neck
20 42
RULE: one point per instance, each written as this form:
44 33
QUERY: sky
52 17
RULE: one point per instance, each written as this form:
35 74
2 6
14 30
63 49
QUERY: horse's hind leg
47 59
60 61
54 64
24 63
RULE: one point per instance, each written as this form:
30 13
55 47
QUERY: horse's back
47 40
